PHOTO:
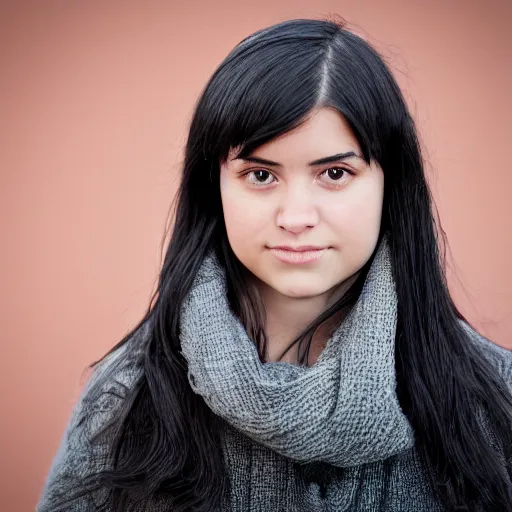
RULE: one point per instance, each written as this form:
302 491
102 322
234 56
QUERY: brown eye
336 175
260 177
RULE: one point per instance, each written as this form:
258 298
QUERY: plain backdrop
95 101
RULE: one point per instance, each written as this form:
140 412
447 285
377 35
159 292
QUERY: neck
287 317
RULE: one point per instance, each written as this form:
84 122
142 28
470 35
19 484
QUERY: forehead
325 132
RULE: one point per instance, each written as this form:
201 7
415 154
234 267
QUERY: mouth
298 255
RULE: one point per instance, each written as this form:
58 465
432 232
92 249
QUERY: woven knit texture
342 410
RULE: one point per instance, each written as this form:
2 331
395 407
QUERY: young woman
302 351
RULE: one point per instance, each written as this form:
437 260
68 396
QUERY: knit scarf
342 410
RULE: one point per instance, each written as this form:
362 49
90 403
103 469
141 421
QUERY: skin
336 206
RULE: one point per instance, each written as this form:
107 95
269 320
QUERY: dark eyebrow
326 160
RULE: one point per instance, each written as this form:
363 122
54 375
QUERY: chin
299 291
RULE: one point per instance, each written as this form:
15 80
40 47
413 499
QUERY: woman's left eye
336 173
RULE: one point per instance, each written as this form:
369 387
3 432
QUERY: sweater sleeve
77 456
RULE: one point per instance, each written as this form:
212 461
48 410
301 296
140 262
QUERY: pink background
95 99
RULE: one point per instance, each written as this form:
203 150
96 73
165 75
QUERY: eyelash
334 184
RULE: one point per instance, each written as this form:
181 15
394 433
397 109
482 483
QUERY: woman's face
300 219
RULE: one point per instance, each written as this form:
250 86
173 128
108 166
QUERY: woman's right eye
260 178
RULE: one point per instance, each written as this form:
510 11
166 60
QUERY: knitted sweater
261 479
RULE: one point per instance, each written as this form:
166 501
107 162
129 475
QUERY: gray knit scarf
343 410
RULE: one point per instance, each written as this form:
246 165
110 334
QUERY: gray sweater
261 479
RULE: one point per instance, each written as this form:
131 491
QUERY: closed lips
297 254
301 248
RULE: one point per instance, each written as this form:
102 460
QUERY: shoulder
108 385
499 356
111 380
80 453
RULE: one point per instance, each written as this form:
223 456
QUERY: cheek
357 214
246 219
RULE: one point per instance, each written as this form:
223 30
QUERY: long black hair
164 439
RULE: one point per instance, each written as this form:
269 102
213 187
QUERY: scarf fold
343 410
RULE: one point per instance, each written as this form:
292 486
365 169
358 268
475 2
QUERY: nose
297 211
